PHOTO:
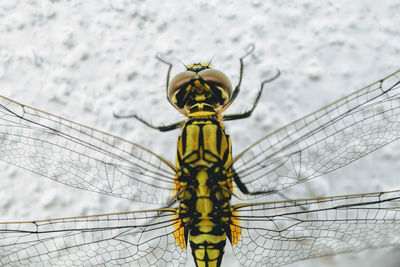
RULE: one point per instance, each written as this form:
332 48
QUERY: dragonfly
194 194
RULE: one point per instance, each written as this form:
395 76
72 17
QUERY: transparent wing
82 157
279 233
143 238
323 141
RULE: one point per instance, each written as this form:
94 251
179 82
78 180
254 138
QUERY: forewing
82 157
144 238
323 141
279 233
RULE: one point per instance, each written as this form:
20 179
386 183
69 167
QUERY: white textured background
84 61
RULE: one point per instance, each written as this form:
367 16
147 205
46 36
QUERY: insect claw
159 57
250 49
278 73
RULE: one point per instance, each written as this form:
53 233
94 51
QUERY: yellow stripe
207 238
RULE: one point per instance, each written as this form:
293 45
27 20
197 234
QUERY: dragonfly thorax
199 84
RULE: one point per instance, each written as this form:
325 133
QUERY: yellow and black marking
203 152
197 191
203 155
199 91
196 67
204 179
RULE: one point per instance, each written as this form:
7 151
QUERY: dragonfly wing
279 233
143 238
82 157
323 141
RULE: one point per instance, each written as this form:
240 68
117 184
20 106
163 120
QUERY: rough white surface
84 61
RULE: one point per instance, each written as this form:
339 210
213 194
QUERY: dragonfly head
200 83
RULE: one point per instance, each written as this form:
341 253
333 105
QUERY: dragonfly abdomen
208 231
203 152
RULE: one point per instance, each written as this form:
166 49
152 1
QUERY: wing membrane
323 141
279 233
145 238
82 157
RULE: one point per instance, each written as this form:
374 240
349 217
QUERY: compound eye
217 78
178 81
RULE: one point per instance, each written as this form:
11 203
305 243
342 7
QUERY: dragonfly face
199 84
196 192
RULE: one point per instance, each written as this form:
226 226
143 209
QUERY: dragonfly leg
248 113
242 187
241 59
235 92
158 57
162 128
